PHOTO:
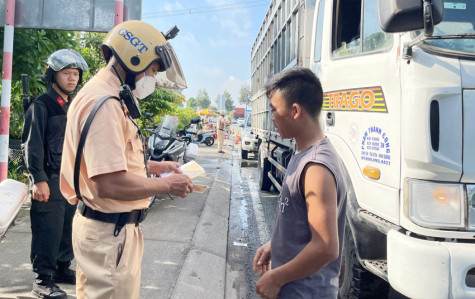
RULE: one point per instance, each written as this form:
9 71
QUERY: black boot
64 274
44 287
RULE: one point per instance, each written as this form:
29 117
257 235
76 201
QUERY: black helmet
64 59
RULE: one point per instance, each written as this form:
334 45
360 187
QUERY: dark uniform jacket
43 136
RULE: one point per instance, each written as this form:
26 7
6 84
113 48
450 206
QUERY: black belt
120 219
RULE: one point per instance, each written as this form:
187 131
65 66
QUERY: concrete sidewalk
185 241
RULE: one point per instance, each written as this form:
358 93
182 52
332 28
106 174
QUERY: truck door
358 67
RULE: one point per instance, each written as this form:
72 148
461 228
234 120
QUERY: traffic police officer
110 178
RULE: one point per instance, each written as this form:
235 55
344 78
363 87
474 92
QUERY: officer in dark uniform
42 144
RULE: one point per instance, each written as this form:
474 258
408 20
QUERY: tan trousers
107 266
220 140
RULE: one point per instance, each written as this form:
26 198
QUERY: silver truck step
378 267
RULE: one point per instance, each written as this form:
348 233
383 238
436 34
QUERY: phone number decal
375 146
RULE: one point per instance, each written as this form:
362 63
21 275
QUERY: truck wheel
243 154
356 281
209 141
264 167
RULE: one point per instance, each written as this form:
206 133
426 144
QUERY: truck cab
399 95
397 107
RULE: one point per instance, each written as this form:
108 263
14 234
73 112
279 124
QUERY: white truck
399 107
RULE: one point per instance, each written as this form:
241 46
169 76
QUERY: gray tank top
291 231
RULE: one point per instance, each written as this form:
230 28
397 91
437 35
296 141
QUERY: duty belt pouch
77 163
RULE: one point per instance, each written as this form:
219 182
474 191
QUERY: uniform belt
136 216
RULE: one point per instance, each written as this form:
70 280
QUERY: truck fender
370 242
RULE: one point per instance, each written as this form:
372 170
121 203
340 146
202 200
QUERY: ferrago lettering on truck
369 99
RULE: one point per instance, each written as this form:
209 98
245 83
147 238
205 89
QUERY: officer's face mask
144 87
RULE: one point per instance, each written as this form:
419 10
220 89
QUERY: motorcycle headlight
435 205
471 206
160 144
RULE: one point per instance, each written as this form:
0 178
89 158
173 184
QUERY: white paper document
191 169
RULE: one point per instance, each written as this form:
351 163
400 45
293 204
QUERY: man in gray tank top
302 260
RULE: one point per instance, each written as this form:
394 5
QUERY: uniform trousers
51 224
220 140
107 266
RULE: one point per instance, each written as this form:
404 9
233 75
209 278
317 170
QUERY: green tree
245 95
191 102
161 102
202 99
228 101
89 46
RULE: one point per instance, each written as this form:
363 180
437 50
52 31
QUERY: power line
207 9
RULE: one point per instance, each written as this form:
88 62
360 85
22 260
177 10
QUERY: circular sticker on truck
375 146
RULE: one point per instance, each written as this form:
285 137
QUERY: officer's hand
180 184
158 168
41 192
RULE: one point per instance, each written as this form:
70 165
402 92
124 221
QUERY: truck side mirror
407 15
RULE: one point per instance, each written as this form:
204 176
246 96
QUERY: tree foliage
245 95
202 99
89 46
228 101
191 102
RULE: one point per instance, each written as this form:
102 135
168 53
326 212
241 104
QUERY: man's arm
320 192
33 141
126 186
33 149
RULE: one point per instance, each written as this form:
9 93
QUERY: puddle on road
242 209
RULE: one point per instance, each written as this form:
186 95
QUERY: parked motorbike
191 137
165 145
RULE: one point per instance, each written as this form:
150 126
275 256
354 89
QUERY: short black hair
298 85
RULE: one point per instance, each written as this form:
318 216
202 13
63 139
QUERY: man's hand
261 262
267 287
180 184
158 168
41 192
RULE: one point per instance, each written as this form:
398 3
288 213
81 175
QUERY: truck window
347 27
373 37
318 35
457 28
354 36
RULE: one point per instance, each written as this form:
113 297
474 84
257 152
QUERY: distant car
249 142
233 121
240 122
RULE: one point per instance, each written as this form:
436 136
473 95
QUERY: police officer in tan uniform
221 126
114 188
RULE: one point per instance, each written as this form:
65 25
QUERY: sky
214 43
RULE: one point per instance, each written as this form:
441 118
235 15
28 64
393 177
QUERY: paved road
185 241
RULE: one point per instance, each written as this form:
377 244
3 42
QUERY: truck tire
243 154
264 167
356 281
